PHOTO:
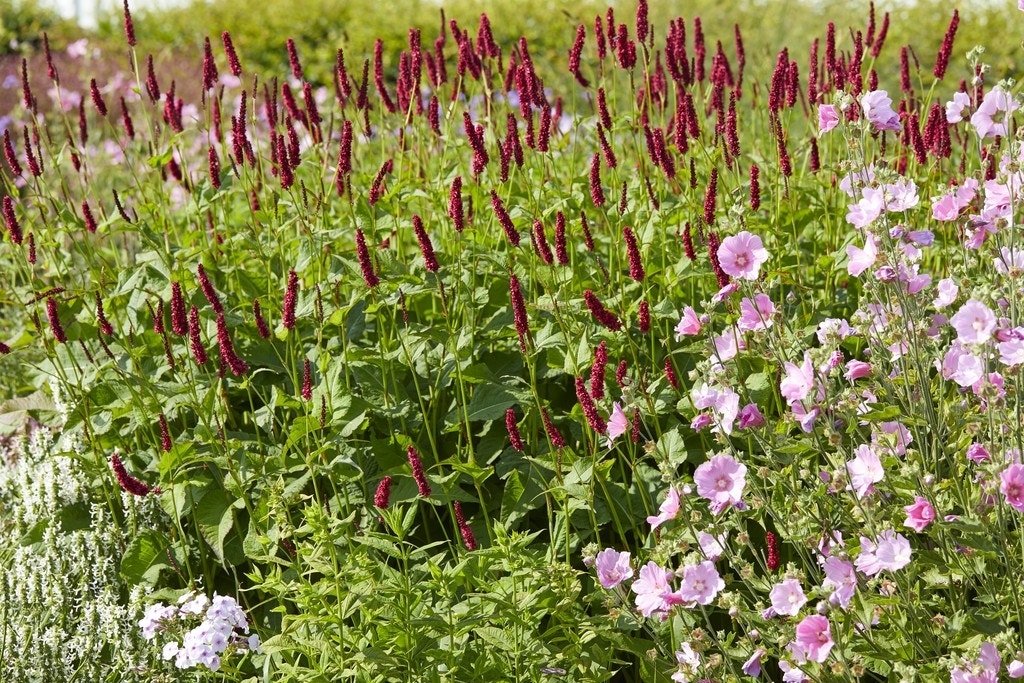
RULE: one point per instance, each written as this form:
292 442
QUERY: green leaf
145 557
215 517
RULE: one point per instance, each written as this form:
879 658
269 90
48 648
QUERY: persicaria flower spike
11 220
127 481
513 430
208 290
291 296
383 493
307 380
417 471
55 326
636 267
227 349
594 418
426 248
369 276
600 313
464 529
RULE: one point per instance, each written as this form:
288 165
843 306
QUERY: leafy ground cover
431 370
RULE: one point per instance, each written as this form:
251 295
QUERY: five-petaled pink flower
828 117
756 313
689 324
813 639
889 551
721 480
1012 486
651 589
617 424
974 323
741 255
700 583
920 514
612 567
877 108
787 598
668 510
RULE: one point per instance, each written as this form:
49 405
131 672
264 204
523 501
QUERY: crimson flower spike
556 437
426 248
365 264
513 430
417 471
307 380
227 349
600 313
293 59
455 210
10 154
755 187
261 323
195 338
291 297
596 192
670 373
179 317
636 268
11 220
594 418
597 371
575 54
229 49
208 290
54 318
383 494
519 312
126 481
101 318
165 434
772 542
504 219
464 529
942 59
540 243
129 26
561 252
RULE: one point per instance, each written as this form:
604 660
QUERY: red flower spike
561 253
594 419
11 220
307 380
455 210
291 297
101 318
417 471
426 247
165 434
670 374
195 338
773 551
383 493
227 349
129 26
597 371
365 264
55 326
513 430
519 312
600 313
179 319
636 268
126 481
467 533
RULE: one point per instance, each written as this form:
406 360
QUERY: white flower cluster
203 644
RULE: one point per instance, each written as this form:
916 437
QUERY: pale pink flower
985 668
977 453
791 673
841 577
787 597
689 324
920 514
612 567
857 179
901 195
806 418
955 107
799 380
990 118
891 438
862 259
856 369
752 667
1012 486
889 551
727 346
1009 260
712 545
700 421
724 402
862 213
877 108
700 583
750 417
617 424
945 208
688 661
974 323
828 117
651 588
813 639
948 291
756 314
741 255
668 510
721 480
1015 669
833 330
1011 351
962 366
864 470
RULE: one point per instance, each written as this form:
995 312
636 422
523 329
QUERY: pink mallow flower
955 107
990 118
985 669
864 470
870 206
721 480
612 567
856 369
752 667
862 259
841 578
668 510
700 584
756 313
828 117
689 325
741 255
920 514
813 639
651 589
877 108
1012 486
617 424
799 380
948 291
889 551
787 598
974 323
750 417
962 366
712 546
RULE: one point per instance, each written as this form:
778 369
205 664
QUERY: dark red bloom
602 110
597 371
575 54
560 246
97 98
513 430
195 338
293 59
291 298
588 239
307 380
365 264
90 220
942 59
636 268
101 318
261 324
519 312
643 317
383 493
467 533
455 211
165 434
417 471
596 192
10 154
213 161
227 349
688 242
594 419
600 313
556 437
129 27
11 220
229 50
773 551
504 219
426 247
32 247
55 326
125 480
670 373
208 291
179 319
755 187
540 243
34 166
377 188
